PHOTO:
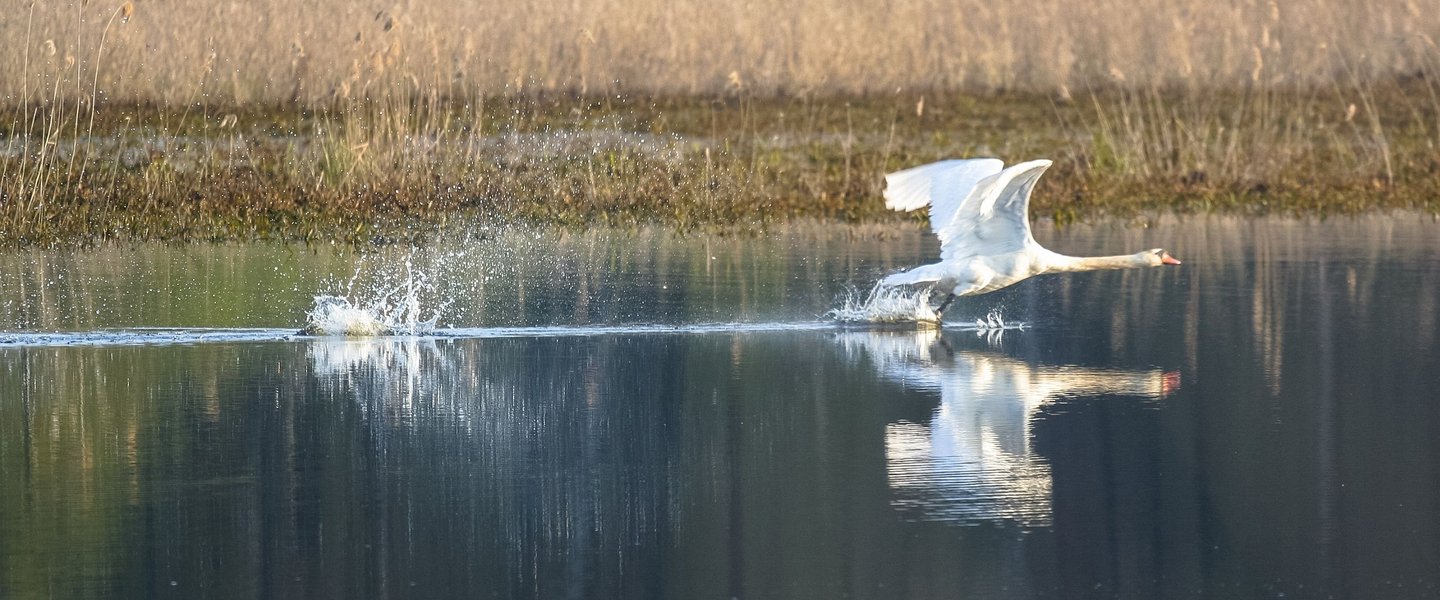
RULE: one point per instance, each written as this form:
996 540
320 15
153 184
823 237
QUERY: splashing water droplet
380 310
886 305
994 324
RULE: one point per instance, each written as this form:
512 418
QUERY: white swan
980 212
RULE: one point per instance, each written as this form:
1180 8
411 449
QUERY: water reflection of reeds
749 462
1363 257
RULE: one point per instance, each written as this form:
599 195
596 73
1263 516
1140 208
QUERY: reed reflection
534 461
973 461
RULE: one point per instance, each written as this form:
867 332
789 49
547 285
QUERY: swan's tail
921 274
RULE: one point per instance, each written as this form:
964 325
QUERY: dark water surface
1259 422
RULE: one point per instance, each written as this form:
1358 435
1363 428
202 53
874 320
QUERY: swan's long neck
1059 263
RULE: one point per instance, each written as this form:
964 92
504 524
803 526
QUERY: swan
980 211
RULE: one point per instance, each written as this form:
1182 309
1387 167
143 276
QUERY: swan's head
1157 257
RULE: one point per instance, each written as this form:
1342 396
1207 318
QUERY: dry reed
325 120
269 50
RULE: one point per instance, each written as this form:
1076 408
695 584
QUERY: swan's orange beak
1169 260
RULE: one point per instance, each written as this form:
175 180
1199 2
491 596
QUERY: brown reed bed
368 171
270 51
111 127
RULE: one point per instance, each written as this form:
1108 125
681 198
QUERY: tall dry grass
273 50
141 119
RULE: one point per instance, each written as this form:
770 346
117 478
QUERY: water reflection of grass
356 172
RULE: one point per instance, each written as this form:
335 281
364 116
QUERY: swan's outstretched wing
920 274
994 218
943 186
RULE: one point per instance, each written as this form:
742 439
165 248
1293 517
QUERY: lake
635 414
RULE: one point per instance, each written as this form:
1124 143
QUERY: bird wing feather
920 274
943 186
994 217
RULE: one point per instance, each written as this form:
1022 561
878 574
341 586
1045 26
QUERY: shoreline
385 170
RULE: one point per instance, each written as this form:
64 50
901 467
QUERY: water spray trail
885 305
893 305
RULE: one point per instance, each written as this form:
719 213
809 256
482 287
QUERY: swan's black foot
944 305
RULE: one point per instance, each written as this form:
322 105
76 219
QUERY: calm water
1259 422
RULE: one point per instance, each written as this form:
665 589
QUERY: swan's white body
980 212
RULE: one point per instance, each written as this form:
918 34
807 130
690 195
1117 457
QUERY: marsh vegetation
342 122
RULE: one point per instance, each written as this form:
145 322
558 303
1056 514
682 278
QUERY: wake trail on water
397 302
164 336
161 336
167 336
143 336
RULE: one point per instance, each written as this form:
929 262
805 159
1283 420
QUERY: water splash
992 327
886 305
889 305
994 321
381 308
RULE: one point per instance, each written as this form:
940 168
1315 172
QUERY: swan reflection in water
973 460
386 373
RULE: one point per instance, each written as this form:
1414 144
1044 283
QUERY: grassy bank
354 172
323 121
